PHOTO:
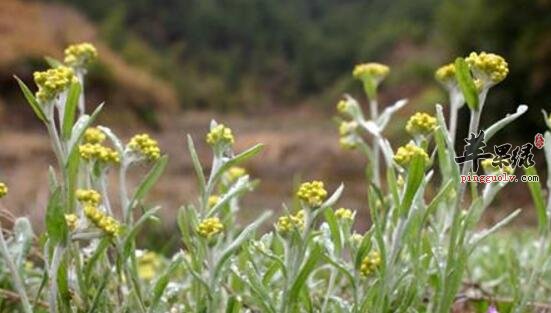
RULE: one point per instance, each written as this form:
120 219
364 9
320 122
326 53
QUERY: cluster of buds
53 82
93 150
489 167
233 174
72 221
375 71
3 190
370 263
421 124
80 55
446 75
220 134
406 153
88 196
344 214
488 67
106 223
312 193
287 223
91 200
144 145
210 227
212 201
348 136
148 264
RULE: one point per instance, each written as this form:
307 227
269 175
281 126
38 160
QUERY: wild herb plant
413 257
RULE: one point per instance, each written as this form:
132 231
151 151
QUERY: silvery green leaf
478 237
239 187
546 118
333 199
384 118
497 126
114 139
80 127
23 236
442 124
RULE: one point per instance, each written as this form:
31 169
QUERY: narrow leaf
32 100
466 83
70 109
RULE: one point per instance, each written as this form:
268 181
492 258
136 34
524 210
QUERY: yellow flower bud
52 82
376 71
313 193
88 196
370 263
287 223
210 227
220 134
446 74
489 67
421 124
144 145
79 55
405 154
344 214
3 190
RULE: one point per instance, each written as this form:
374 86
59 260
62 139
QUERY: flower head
3 190
72 221
106 223
489 167
287 223
344 214
370 263
405 154
490 68
210 227
220 134
148 264
356 239
233 174
375 71
98 152
93 135
313 193
52 82
80 55
144 145
421 124
213 200
88 196
446 74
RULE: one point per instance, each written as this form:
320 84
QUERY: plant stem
17 281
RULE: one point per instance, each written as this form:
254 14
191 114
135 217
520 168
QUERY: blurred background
271 70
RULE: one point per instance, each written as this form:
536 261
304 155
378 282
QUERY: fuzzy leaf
32 100
56 227
70 109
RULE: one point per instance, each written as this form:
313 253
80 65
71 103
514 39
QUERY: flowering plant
413 258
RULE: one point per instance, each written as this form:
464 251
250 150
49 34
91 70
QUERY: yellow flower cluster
72 221
213 200
344 214
289 222
490 168
106 223
342 106
370 263
376 70
234 173
220 134
490 65
95 151
356 239
3 190
146 146
313 193
346 128
82 54
93 135
421 124
445 74
405 154
210 227
148 264
88 196
52 82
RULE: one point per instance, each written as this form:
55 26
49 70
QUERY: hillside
30 30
